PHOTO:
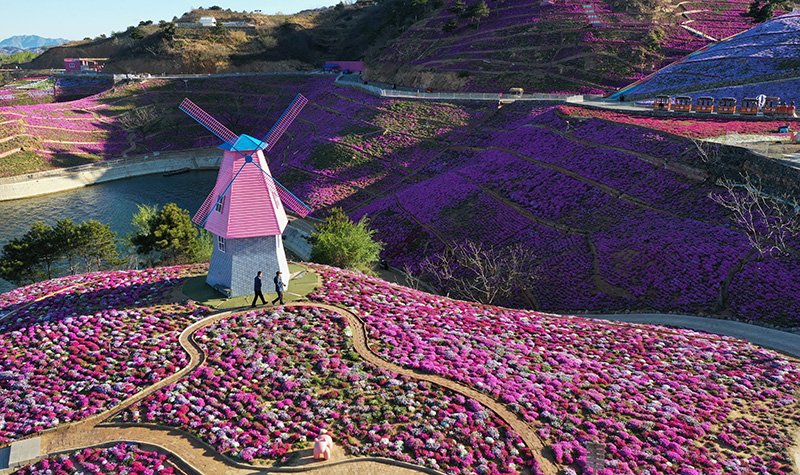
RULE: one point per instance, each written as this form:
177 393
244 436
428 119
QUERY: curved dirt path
361 344
205 460
196 453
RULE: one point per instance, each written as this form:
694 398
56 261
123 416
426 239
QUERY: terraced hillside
762 60
554 46
617 215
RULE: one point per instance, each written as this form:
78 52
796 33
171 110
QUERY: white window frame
221 243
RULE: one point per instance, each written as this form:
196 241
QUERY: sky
78 19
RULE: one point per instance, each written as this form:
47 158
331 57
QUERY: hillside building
84 65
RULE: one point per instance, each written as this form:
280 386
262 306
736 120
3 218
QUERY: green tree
18 263
761 13
458 7
171 234
67 236
205 246
44 247
141 227
137 33
476 11
220 29
340 242
96 244
167 29
450 25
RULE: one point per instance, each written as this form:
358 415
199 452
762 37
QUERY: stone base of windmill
235 266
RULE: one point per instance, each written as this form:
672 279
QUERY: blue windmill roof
244 142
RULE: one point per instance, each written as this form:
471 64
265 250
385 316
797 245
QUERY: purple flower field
102 338
766 49
274 379
615 213
544 48
121 459
659 400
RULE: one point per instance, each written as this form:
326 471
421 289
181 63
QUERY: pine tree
340 242
171 234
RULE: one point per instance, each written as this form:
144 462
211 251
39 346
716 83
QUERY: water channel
112 203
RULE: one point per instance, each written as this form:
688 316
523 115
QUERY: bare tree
474 271
141 121
769 222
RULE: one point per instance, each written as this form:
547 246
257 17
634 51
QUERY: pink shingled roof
251 207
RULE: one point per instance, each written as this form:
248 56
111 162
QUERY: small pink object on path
323 446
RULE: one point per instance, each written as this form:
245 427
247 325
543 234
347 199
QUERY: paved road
785 342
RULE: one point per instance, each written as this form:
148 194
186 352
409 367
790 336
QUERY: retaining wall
53 181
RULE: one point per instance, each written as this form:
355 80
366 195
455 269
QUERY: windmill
244 212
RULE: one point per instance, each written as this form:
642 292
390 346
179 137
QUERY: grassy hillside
617 215
301 41
541 46
554 46
762 60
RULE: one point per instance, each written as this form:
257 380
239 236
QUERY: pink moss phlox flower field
274 379
78 352
660 401
697 127
758 54
121 459
614 206
554 39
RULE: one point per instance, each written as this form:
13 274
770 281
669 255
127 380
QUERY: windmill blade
289 200
287 197
211 201
284 122
204 118
202 214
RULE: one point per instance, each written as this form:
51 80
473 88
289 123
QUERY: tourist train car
725 105
786 110
774 106
704 105
661 103
771 105
682 103
749 106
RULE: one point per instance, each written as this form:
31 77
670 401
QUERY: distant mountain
30 42
9 50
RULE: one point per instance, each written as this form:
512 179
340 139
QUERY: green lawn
303 281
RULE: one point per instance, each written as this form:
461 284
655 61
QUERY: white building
208 21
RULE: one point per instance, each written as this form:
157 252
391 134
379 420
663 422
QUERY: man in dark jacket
257 290
279 287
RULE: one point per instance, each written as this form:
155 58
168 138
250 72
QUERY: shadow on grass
302 282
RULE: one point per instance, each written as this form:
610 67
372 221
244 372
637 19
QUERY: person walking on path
279 287
257 290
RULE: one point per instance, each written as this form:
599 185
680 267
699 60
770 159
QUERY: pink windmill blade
289 200
284 122
204 118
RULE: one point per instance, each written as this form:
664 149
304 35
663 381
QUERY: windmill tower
244 212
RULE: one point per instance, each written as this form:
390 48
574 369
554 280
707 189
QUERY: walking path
205 460
201 458
784 342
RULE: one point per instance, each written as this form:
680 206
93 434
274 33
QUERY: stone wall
776 178
53 181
